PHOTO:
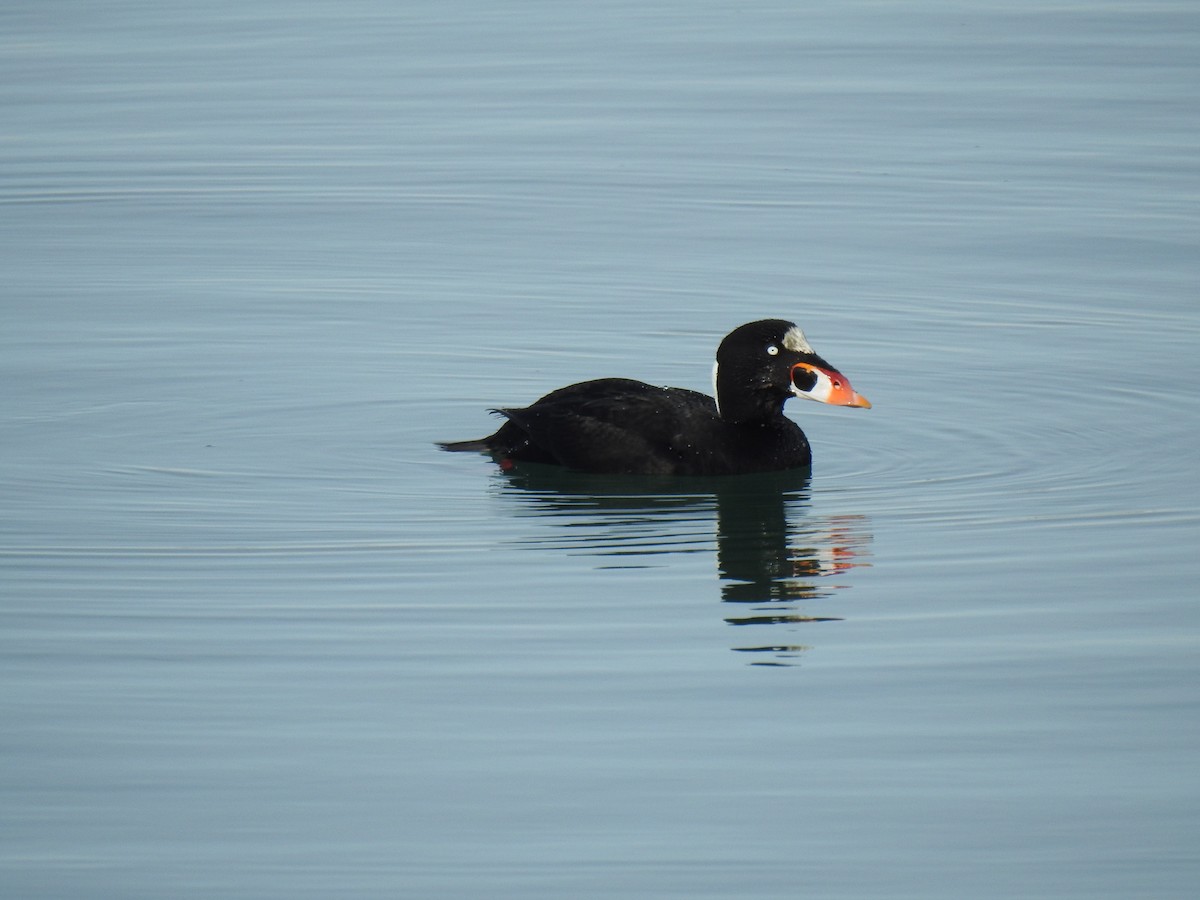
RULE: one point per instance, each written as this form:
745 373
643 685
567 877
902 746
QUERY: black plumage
621 426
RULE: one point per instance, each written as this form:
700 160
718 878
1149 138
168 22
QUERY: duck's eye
772 350
804 379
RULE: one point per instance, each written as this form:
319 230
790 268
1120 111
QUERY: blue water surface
260 638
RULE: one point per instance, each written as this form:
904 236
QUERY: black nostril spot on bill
804 379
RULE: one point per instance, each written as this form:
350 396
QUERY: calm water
258 638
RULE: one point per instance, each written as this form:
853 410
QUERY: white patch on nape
716 396
795 341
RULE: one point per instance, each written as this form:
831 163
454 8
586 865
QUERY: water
259 638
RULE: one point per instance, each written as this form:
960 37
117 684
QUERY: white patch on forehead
795 341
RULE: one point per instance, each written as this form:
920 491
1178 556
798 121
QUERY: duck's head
762 364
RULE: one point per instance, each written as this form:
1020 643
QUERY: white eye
772 350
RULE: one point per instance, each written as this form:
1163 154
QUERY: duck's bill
825 386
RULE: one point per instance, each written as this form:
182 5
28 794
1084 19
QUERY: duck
619 426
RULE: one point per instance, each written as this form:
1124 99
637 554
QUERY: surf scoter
620 426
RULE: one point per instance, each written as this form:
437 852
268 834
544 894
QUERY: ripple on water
1073 456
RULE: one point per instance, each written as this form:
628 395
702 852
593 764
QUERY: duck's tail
476 446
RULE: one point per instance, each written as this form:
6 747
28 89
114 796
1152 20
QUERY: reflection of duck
770 553
619 426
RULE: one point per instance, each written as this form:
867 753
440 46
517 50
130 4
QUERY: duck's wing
612 425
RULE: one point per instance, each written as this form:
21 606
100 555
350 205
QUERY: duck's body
620 426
